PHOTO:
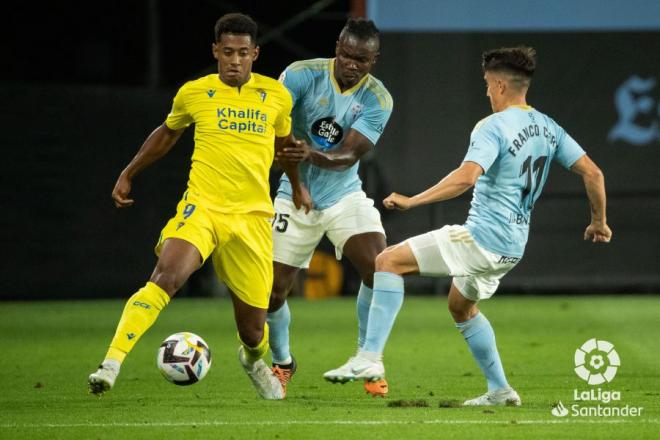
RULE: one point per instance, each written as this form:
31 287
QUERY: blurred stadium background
84 83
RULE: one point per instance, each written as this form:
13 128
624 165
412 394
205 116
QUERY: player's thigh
398 259
245 260
362 250
354 226
184 244
295 234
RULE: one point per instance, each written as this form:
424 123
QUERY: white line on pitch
328 422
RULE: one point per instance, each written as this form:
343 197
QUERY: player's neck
518 101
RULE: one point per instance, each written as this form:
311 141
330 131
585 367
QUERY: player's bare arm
301 197
594 184
351 150
159 142
453 185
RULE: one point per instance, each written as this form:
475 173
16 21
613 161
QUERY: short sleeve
282 124
179 117
374 117
484 145
568 150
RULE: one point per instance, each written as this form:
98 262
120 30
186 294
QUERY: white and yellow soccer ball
184 358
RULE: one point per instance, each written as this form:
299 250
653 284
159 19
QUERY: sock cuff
155 295
388 282
365 293
473 326
255 353
279 313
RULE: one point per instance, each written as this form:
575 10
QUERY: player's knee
281 289
385 262
461 311
167 279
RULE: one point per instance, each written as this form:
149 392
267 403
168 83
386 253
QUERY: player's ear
215 49
256 53
337 48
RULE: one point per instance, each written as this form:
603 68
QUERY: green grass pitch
49 348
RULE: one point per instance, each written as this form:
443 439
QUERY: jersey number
531 189
282 222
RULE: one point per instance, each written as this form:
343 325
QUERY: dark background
83 87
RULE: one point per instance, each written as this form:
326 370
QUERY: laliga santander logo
596 361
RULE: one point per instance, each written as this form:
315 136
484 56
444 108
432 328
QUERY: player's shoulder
313 65
268 83
490 122
375 88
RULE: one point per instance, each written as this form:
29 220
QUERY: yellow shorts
241 246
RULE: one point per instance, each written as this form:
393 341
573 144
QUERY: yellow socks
139 314
253 354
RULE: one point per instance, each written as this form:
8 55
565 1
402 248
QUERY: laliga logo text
596 362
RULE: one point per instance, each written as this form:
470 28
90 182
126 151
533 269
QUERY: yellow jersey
235 132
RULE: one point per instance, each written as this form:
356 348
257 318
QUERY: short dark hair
236 23
361 29
518 62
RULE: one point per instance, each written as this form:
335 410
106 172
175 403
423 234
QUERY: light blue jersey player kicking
341 110
507 162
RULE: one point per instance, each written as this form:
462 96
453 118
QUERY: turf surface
51 347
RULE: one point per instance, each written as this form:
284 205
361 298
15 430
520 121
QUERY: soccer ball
184 358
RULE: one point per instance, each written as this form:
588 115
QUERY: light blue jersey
323 115
514 147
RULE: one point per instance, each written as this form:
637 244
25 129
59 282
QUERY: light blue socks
479 335
363 304
278 322
385 305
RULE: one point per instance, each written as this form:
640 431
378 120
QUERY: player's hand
120 192
302 199
598 232
296 152
397 201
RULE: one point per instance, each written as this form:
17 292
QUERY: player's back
515 148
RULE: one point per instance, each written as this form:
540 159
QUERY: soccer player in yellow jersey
240 119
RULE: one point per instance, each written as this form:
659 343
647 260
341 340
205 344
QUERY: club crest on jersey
323 102
326 132
262 94
356 109
210 93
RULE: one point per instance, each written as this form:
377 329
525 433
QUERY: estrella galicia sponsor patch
326 132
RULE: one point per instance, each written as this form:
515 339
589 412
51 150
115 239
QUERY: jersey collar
222 85
520 106
335 84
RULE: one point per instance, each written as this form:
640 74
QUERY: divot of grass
419 403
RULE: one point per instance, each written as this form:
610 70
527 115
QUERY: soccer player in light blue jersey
340 110
507 162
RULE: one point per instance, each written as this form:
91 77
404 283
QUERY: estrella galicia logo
326 132
596 361
639 112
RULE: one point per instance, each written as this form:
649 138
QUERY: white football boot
104 378
501 397
356 367
267 384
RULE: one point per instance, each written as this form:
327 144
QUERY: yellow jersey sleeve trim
314 64
380 92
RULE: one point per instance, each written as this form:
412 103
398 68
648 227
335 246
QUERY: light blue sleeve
374 117
297 81
484 145
568 150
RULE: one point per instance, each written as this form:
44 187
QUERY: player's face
494 90
355 58
235 54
